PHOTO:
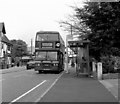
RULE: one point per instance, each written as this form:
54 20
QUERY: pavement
113 86
72 88
12 69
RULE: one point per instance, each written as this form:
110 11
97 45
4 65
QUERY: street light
67 37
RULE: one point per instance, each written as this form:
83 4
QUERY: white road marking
48 88
27 92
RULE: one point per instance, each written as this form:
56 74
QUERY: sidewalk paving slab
70 88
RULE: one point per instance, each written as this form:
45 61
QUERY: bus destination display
47 45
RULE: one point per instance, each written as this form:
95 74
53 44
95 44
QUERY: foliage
103 19
108 64
19 48
117 62
75 26
100 23
111 64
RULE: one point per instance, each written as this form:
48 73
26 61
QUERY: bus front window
51 55
46 56
41 55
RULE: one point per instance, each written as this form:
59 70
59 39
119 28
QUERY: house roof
4 37
6 40
2 28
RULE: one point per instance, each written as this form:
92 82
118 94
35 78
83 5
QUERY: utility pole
72 36
66 54
71 29
31 47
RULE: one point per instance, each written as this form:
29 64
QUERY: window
46 55
8 47
47 37
41 55
52 55
2 46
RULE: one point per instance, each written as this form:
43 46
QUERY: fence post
99 71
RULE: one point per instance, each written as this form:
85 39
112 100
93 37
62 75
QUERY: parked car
30 65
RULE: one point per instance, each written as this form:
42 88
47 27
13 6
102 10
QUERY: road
26 85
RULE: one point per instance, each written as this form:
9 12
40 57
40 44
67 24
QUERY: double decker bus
49 51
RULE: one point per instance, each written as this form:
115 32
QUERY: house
5 48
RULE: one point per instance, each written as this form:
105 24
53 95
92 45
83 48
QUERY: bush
111 64
116 64
108 64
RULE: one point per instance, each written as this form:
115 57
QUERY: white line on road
48 88
27 92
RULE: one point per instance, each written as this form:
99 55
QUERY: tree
19 48
75 26
99 22
103 19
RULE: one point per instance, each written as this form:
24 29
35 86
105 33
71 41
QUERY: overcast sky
23 18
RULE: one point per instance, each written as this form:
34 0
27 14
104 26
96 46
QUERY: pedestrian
83 65
17 64
72 64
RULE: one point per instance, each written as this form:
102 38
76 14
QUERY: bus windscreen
47 37
46 55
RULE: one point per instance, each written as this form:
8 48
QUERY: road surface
26 85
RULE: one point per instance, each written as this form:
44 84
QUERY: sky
23 18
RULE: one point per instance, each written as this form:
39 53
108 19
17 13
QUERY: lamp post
67 38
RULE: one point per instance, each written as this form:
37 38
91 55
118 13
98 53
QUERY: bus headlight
55 64
38 64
